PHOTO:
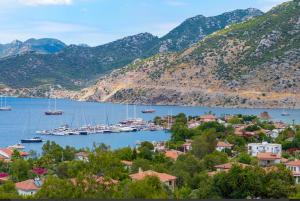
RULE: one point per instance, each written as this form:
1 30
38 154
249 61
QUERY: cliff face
250 64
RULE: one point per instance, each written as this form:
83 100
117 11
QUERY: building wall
26 193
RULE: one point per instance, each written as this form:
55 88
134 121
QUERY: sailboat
55 111
285 113
4 107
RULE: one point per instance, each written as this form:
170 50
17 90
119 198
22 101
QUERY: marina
84 124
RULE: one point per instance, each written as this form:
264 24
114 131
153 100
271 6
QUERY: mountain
251 64
76 66
196 28
41 46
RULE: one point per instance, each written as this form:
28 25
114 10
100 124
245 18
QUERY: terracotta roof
83 154
284 160
162 176
293 163
224 144
98 179
268 156
173 154
208 116
27 185
9 152
128 163
229 165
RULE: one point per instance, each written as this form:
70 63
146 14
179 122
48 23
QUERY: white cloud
46 2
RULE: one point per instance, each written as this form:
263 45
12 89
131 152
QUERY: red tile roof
128 163
293 163
9 152
208 117
83 154
27 185
224 144
229 165
173 154
268 156
162 176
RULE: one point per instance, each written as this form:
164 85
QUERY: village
205 144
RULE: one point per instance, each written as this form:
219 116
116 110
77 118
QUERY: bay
28 116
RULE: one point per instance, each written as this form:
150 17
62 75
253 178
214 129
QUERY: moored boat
54 112
32 140
148 111
17 146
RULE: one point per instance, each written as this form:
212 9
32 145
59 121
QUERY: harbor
100 122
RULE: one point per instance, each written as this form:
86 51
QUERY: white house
82 156
28 187
221 146
294 166
266 159
255 148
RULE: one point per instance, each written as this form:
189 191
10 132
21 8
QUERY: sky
95 22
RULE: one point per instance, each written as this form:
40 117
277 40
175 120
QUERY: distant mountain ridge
33 64
40 46
250 64
196 28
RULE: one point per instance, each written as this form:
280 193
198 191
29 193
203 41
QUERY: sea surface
28 116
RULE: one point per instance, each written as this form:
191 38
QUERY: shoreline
143 104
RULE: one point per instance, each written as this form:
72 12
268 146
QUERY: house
255 148
187 146
173 154
127 164
294 166
273 133
225 167
7 153
268 159
168 180
221 146
159 146
208 118
29 187
82 156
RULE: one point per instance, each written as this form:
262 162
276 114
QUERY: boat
32 140
4 107
17 146
285 113
147 111
54 112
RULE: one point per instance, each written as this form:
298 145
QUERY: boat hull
32 141
48 113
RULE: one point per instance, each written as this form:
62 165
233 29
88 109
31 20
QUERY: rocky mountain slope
75 67
196 28
250 64
40 46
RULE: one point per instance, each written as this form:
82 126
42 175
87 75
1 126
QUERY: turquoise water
28 116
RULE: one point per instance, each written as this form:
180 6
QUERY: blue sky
96 22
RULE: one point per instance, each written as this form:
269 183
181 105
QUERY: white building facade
255 148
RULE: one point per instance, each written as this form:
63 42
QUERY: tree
148 188
205 143
244 158
55 188
19 170
124 153
215 158
8 191
180 132
185 167
203 185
